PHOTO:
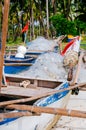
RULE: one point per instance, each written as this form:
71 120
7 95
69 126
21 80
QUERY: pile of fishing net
40 43
47 66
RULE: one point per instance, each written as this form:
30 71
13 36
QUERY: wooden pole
4 36
83 88
14 114
18 64
39 96
78 69
59 111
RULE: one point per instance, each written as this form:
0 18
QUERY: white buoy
21 49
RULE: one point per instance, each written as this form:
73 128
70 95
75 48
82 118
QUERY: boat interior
27 87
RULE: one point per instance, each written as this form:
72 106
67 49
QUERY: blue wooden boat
44 121
35 53
13 59
14 65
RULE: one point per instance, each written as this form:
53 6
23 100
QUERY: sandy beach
76 102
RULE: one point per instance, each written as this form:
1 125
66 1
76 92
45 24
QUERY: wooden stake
39 96
4 36
59 111
78 69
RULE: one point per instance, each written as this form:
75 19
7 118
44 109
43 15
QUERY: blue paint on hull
16 69
7 120
53 98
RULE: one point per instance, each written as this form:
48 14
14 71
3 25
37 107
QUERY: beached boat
36 87
35 53
13 59
14 65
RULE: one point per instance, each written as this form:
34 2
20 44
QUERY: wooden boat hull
13 59
14 69
11 69
44 121
34 53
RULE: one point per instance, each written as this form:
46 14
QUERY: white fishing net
40 43
47 66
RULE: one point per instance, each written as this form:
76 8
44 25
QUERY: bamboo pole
78 69
14 114
59 111
4 36
40 95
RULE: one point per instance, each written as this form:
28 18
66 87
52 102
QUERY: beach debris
71 57
25 83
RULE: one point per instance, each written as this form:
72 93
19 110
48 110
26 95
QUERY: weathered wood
22 92
15 80
4 79
78 69
40 95
14 114
4 36
83 88
70 73
59 111
18 64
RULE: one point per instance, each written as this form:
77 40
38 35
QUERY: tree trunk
4 36
47 14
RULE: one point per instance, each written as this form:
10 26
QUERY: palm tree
47 14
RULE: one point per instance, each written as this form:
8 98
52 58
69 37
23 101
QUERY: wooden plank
24 92
18 64
40 95
15 80
16 76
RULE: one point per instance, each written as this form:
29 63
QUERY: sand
76 102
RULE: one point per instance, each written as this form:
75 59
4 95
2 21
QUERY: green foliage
81 26
70 19
63 26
